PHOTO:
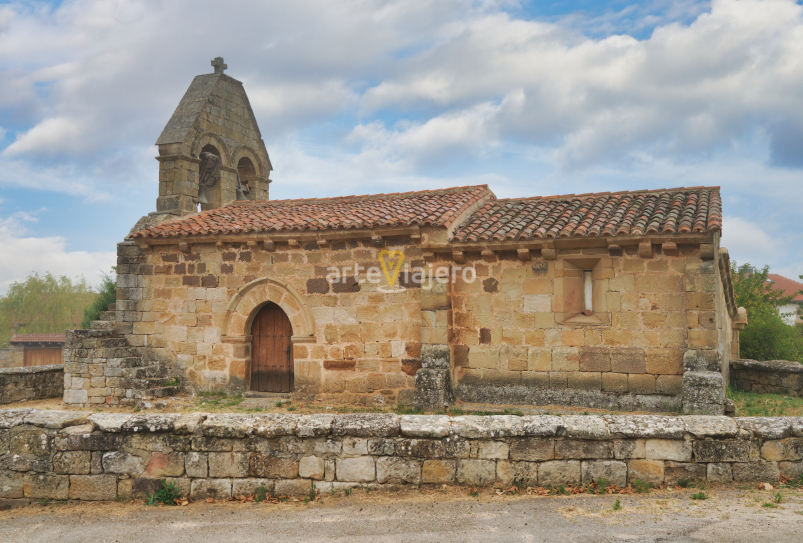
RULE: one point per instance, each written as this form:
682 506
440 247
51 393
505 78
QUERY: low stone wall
769 376
36 383
103 456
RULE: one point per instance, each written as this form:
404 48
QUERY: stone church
610 300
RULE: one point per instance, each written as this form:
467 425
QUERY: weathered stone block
355 446
142 487
476 472
726 450
628 360
560 472
439 471
93 487
11 484
359 470
492 450
522 473
397 470
94 442
649 471
218 489
46 485
668 449
791 470
72 462
532 449
311 467
233 464
35 442
627 449
673 471
249 487
719 472
767 472
297 488
123 463
611 470
165 465
583 449
195 465
366 425
265 466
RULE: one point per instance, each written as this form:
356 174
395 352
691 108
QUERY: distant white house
795 307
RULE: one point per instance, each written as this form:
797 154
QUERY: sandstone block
311 467
46 485
218 489
72 462
673 471
628 360
583 449
265 466
248 487
491 450
195 465
641 384
584 380
165 465
668 449
611 470
627 449
476 472
648 471
93 487
355 446
614 382
595 359
726 450
11 484
560 472
438 471
522 473
397 470
359 470
298 488
719 472
532 449
123 463
767 472
228 464
142 487
791 470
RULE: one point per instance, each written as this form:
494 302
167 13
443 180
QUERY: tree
43 305
767 336
106 297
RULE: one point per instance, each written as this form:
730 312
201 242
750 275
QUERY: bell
241 197
202 195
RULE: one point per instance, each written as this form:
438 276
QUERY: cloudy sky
355 97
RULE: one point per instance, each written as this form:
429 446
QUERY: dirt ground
730 513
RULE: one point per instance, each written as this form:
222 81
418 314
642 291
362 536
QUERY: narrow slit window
588 298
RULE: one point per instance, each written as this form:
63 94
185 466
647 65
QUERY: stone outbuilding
29 350
609 300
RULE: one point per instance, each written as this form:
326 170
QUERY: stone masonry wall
34 383
366 345
82 456
767 377
516 341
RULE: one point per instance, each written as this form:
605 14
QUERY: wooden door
271 351
41 356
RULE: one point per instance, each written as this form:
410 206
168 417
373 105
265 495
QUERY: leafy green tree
767 336
106 297
43 305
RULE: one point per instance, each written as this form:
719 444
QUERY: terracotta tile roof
664 211
789 286
428 207
38 338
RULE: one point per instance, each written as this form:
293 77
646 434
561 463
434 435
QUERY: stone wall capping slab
702 426
796 424
585 427
156 422
435 426
766 427
228 425
109 422
645 426
55 419
188 424
366 425
543 426
10 418
478 427
275 425
318 425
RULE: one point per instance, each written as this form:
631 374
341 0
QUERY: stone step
112 307
101 325
118 352
114 342
107 315
163 392
86 334
134 362
142 384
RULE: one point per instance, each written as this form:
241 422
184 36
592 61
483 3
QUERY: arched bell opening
271 350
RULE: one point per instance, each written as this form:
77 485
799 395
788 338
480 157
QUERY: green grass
699 496
617 505
753 404
172 383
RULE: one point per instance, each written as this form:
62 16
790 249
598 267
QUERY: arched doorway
271 350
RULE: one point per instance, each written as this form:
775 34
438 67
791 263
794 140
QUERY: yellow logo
391 262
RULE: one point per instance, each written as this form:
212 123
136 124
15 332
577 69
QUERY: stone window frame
568 296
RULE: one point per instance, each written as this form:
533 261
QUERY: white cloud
22 255
51 136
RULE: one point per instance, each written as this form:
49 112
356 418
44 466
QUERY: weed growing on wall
169 494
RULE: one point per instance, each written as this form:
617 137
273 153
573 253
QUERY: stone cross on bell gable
219 66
